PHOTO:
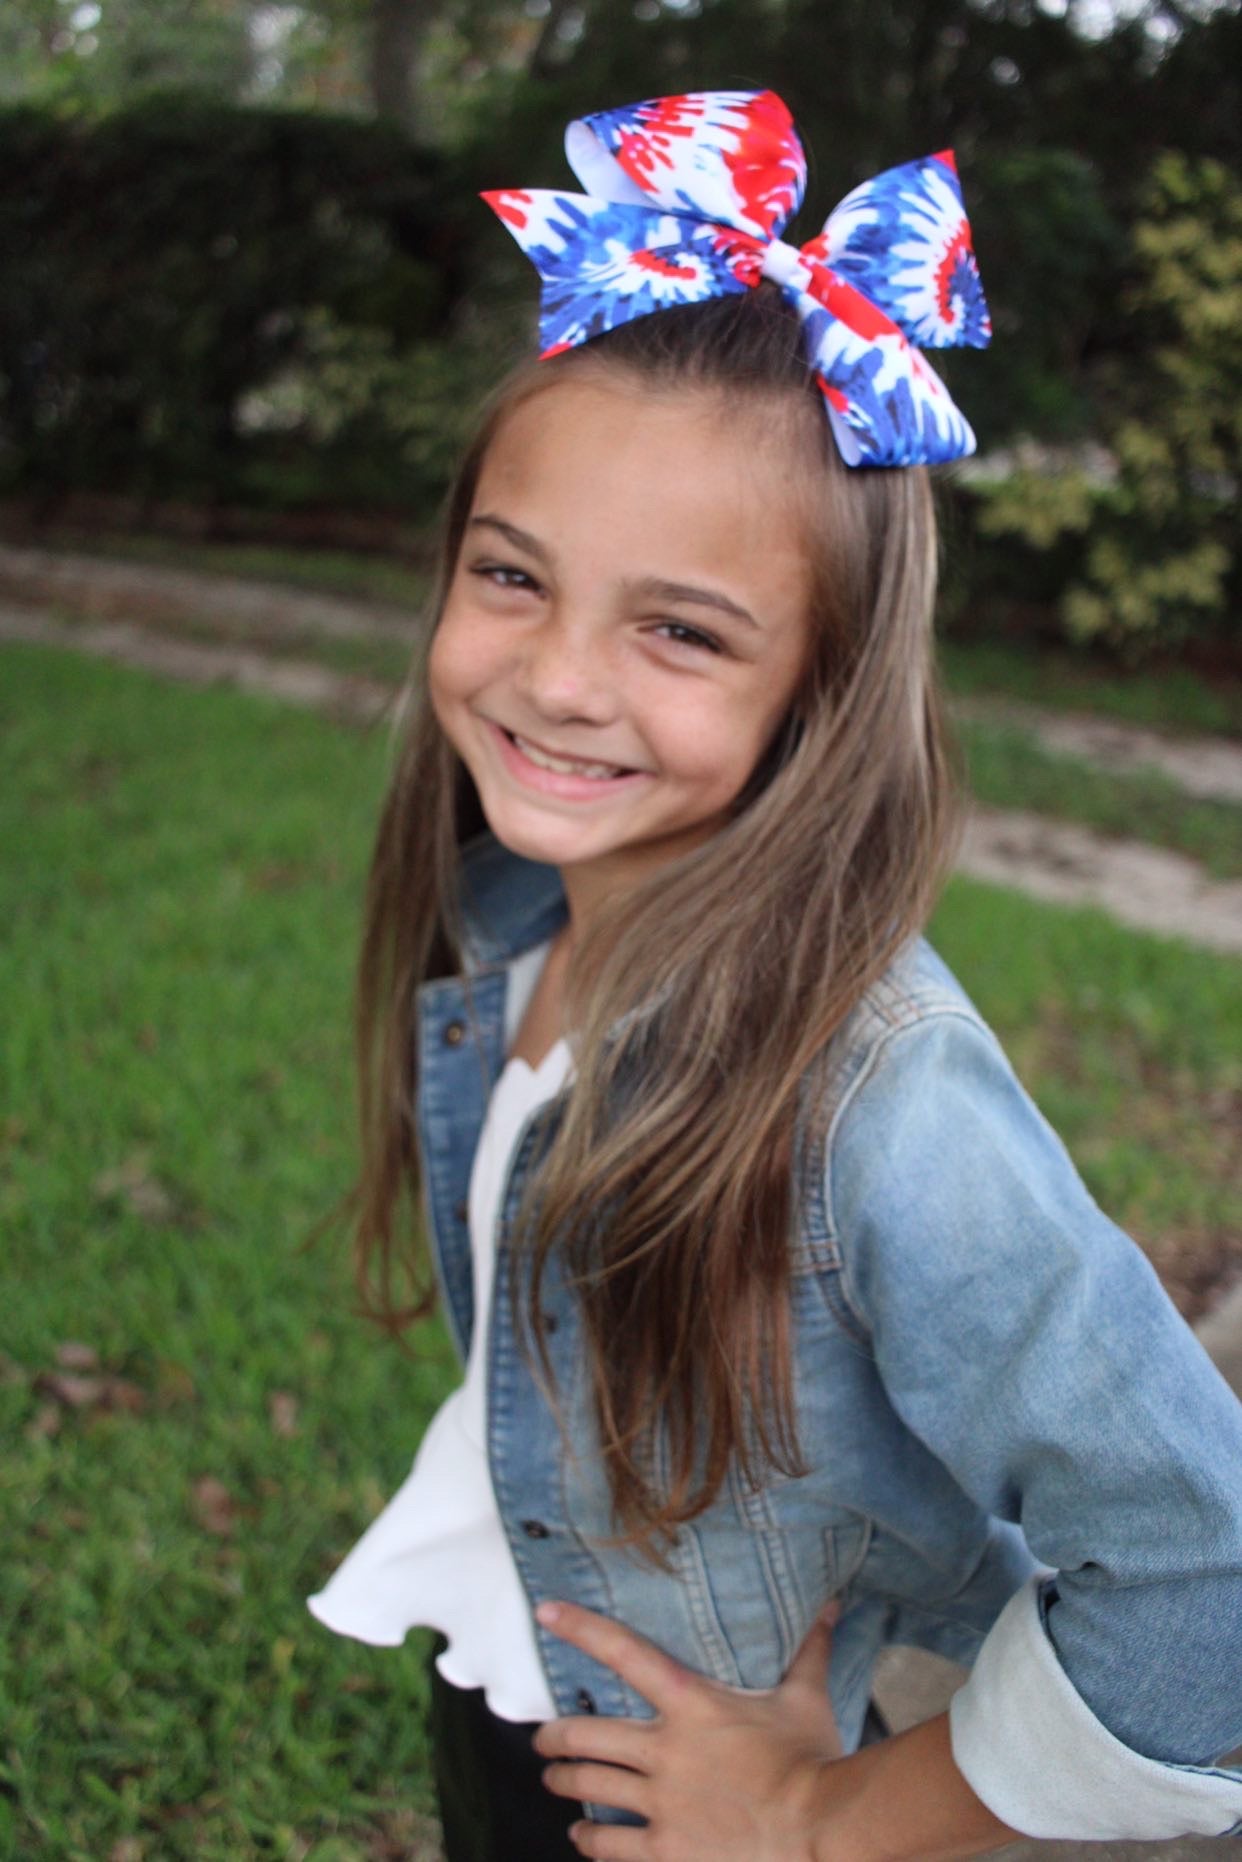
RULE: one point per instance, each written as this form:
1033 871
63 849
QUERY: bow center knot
784 264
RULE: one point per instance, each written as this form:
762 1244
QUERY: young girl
779 1301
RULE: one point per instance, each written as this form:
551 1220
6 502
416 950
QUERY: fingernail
548 1613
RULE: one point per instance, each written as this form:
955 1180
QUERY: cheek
452 668
438 664
713 745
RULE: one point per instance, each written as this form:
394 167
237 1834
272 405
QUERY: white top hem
437 1557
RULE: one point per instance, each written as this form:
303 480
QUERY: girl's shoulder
917 998
916 1106
917 984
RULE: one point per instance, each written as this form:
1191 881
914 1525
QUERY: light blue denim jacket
1020 1456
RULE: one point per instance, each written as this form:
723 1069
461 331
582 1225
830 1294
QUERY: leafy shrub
166 260
1159 544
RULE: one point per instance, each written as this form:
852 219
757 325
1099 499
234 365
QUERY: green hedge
162 262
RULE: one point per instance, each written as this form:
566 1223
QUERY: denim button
454 1034
535 1529
584 1701
462 1211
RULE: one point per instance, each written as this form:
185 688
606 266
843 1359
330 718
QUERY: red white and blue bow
686 197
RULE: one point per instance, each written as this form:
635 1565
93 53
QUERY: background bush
166 261
273 287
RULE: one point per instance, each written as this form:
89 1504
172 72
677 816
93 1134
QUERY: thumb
810 1664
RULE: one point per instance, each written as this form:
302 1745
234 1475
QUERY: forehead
662 482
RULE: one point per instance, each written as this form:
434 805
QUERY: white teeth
563 765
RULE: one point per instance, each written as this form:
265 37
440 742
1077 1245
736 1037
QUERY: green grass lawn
1173 699
181 881
180 894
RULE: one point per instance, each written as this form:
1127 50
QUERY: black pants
494 1805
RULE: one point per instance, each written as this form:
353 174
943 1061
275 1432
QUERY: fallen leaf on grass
44 1423
72 1391
72 1355
175 1813
283 1651
405 1836
129 1849
213 1506
277 876
133 1184
282 1410
173 1383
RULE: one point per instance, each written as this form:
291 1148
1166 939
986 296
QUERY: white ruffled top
436 1556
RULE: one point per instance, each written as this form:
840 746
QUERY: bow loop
733 157
904 240
686 199
602 262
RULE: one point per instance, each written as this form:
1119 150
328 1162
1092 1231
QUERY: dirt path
1141 885
101 588
296 682
1148 887
1202 766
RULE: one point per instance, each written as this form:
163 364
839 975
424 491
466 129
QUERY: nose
565 671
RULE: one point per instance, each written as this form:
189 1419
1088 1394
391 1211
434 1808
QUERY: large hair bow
686 198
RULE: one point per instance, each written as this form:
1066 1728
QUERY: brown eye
503 575
682 635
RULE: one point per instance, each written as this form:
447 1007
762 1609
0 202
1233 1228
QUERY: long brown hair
701 1003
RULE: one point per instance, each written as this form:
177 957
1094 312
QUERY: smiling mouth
566 765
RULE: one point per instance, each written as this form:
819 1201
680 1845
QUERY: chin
551 843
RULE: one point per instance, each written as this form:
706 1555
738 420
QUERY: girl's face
626 626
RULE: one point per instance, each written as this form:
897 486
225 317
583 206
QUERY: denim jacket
1019 1455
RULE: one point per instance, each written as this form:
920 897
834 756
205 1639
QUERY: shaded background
245 269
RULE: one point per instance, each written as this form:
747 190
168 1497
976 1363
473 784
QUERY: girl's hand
721 1774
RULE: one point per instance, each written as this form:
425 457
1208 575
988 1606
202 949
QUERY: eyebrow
653 586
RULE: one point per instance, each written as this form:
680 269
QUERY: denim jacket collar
509 904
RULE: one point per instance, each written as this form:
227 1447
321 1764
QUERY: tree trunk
543 57
398 29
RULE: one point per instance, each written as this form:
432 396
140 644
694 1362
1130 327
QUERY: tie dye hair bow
686 198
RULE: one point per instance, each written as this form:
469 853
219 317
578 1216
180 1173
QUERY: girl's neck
587 890
543 1019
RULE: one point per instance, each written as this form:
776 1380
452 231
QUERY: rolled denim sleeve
1026 1340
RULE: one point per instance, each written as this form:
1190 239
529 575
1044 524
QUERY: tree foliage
164 261
1161 540
188 295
